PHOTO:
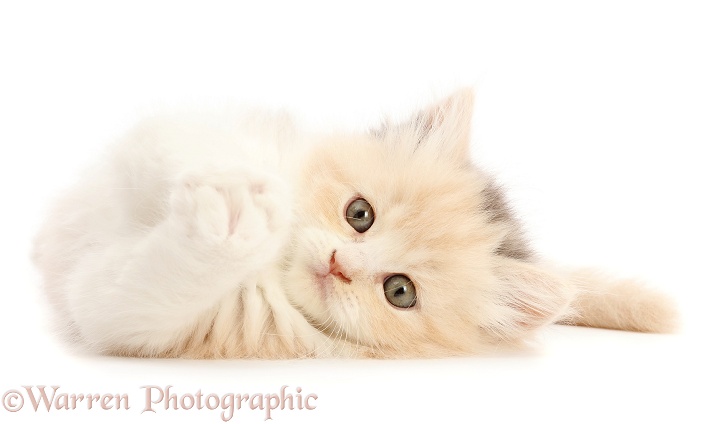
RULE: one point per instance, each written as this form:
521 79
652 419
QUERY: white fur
182 215
210 234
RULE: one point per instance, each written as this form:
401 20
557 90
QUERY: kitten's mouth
325 280
323 283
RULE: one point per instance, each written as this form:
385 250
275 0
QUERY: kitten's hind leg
147 294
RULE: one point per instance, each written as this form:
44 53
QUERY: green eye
399 291
360 215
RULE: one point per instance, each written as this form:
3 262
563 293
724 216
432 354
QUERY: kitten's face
428 228
428 275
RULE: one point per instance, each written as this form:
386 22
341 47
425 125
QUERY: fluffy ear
524 298
444 126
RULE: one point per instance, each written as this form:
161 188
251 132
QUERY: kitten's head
403 246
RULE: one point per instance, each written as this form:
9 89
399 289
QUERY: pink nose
337 270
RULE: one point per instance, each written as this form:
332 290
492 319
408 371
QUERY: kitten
231 235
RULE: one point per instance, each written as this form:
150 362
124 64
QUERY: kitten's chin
308 290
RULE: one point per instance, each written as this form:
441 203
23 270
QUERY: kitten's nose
337 270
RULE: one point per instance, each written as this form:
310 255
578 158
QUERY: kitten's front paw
240 212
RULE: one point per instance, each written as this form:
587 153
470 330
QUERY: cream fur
202 236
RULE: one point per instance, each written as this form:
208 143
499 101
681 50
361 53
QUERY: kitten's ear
525 298
445 126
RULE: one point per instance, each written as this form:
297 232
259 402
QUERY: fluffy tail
620 305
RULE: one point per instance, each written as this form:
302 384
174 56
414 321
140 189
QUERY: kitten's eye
399 291
360 215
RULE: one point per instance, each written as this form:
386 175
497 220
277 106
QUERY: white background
606 120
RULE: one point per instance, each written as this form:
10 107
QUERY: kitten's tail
620 304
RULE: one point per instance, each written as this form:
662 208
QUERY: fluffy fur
213 236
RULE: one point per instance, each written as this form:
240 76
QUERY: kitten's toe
273 200
241 212
200 210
